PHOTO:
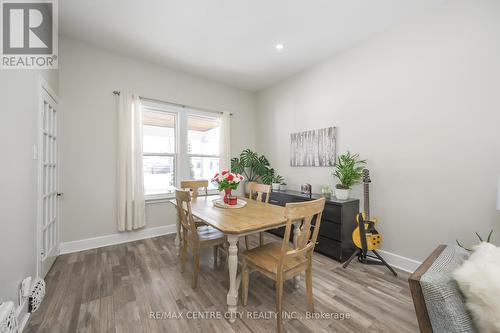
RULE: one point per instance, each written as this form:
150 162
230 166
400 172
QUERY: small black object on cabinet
337 223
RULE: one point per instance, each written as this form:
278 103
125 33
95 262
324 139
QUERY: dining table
235 223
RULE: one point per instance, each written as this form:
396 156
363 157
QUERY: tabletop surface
253 217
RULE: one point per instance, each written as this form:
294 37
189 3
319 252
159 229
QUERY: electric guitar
366 238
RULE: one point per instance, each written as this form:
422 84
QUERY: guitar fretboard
367 201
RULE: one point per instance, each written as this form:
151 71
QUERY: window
159 152
178 143
203 147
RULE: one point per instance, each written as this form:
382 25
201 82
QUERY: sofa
439 304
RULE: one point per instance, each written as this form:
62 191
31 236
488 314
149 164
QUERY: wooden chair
197 238
194 186
279 262
257 192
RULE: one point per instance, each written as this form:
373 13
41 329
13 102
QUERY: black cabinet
337 223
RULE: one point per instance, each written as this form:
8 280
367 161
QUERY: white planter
282 187
342 194
275 186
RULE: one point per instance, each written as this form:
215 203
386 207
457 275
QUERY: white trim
22 311
22 324
400 262
123 237
395 260
46 93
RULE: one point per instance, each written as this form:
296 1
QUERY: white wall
88 76
421 103
18 177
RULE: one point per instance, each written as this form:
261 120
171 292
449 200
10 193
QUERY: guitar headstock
366 176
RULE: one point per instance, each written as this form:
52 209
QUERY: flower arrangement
227 180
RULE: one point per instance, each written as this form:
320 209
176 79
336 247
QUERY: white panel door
48 228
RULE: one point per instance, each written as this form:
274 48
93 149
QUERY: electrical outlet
35 152
26 287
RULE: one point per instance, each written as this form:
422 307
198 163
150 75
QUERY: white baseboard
122 237
400 262
395 260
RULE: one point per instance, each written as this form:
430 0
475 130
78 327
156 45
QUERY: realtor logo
29 34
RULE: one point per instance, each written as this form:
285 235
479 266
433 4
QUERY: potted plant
349 172
253 167
276 182
227 181
283 187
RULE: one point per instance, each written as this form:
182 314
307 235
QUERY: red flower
216 175
230 177
223 172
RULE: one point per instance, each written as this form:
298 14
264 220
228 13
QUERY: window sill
158 199
162 199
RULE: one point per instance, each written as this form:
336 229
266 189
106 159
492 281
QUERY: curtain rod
117 93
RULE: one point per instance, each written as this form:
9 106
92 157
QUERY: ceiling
233 41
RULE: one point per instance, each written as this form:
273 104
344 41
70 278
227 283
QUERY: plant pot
275 186
283 187
246 188
342 194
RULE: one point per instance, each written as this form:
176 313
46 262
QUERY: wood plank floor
115 289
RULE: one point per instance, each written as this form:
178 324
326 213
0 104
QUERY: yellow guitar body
373 241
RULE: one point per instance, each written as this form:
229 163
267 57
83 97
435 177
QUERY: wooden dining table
235 223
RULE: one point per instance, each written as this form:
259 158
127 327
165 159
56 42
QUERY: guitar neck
367 201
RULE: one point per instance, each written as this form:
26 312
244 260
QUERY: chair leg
279 302
244 283
184 252
196 266
216 255
246 243
309 287
261 238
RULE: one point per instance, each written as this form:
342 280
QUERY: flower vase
227 194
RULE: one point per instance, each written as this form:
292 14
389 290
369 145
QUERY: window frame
180 155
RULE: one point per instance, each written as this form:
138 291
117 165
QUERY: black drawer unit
337 223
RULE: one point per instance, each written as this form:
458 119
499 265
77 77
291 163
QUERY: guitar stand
369 260
363 255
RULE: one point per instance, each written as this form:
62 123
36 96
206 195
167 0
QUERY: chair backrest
184 212
305 212
194 186
258 190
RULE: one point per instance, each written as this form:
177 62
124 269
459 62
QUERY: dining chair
279 262
196 238
259 192
194 186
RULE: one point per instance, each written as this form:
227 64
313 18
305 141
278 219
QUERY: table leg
178 239
232 295
296 233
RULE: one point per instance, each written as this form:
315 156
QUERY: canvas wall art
316 148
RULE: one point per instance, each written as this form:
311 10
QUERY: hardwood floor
115 289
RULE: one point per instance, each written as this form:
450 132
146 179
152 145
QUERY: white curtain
131 205
225 141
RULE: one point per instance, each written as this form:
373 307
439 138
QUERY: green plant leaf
349 169
267 177
237 165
